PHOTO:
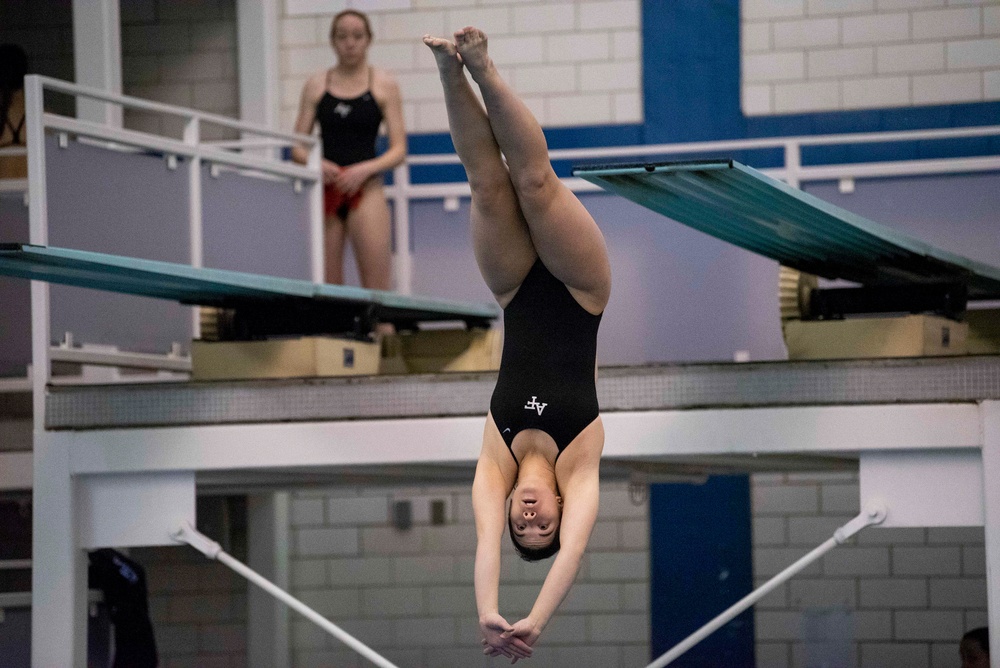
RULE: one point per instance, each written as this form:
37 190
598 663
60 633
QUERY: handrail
739 144
48 83
177 147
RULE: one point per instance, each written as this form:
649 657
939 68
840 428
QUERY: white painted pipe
873 515
188 534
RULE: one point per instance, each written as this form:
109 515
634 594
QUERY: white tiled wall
826 55
575 62
181 53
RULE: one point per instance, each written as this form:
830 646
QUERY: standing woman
350 101
544 258
13 67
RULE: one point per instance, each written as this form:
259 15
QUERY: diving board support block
186 533
873 514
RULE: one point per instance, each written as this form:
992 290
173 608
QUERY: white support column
58 569
97 54
257 29
268 540
991 507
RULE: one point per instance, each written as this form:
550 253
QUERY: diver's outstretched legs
563 232
500 235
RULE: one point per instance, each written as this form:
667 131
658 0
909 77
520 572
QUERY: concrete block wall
825 55
180 53
409 594
905 596
198 608
890 597
575 62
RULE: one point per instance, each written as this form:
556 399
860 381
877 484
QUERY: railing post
316 241
38 217
793 164
192 136
403 265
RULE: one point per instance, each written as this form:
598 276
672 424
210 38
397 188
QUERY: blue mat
740 205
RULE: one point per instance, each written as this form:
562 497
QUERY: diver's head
533 519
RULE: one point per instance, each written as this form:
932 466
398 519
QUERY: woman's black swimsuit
349 127
546 378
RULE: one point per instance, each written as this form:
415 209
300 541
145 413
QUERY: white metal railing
191 148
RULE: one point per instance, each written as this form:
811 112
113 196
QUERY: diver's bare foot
446 55
471 45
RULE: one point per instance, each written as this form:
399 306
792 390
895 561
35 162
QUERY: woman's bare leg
500 236
369 230
333 242
563 231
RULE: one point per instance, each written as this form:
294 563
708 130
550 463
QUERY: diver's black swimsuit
546 378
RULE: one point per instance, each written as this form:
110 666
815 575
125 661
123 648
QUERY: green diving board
278 305
741 205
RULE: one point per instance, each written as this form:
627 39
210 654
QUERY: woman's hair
13 67
981 636
533 553
351 12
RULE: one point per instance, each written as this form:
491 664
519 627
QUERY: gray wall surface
255 225
959 213
125 204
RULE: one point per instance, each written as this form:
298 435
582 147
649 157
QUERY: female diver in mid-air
545 260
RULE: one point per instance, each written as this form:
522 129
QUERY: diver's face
535 512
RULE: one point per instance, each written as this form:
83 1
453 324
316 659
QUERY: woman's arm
307 113
392 116
580 502
490 488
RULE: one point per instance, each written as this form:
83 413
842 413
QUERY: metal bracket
873 514
185 533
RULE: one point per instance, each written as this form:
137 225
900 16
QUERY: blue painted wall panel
701 563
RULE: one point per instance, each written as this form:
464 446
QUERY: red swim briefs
336 203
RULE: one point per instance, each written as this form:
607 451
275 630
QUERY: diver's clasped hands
511 641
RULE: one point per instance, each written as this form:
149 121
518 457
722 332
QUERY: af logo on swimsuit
342 109
533 404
